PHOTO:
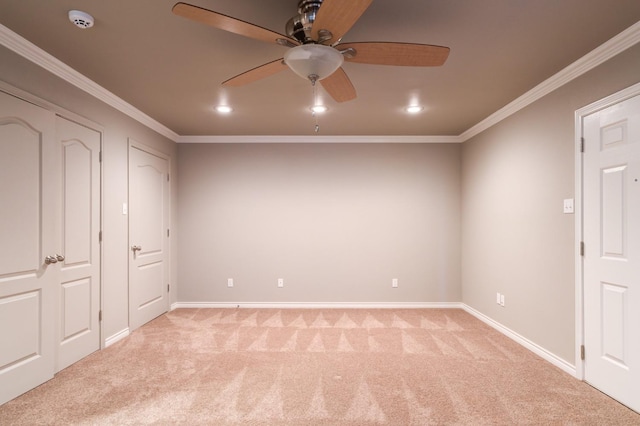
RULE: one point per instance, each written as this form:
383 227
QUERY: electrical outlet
280 282
230 282
498 298
394 283
502 300
568 206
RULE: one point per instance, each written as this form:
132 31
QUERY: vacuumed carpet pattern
315 367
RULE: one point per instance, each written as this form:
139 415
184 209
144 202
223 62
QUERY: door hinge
168 287
100 315
581 248
167 232
99 236
168 178
582 352
581 144
100 156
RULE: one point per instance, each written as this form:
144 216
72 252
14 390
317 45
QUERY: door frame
71 116
580 115
134 144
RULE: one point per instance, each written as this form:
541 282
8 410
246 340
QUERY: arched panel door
29 245
149 207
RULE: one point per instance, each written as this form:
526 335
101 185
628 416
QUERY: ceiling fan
316 53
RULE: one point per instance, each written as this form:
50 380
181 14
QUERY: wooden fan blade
402 54
339 86
228 23
256 73
338 16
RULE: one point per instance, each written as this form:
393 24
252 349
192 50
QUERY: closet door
29 245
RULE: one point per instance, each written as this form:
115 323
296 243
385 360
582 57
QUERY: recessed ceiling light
224 109
319 109
414 109
81 19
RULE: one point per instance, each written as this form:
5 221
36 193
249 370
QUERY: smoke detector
81 19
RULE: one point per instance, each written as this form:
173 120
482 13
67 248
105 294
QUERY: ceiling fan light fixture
313 60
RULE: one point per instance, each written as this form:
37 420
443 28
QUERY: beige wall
118 127
336 221
516 239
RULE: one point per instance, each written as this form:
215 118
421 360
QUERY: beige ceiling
171 68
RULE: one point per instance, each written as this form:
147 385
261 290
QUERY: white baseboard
536 349
328 305
116 337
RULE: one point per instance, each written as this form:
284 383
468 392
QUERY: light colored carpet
315 367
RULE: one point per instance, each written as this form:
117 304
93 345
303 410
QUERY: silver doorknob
60 257
50 259
136 248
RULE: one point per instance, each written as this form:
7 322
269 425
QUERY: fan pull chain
313 79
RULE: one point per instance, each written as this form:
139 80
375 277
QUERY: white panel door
148 236
78 332
612 251
29 220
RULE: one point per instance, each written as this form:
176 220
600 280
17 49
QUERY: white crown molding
606 51
599 55
30 51
318 139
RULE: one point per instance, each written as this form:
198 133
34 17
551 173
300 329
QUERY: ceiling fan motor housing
299 27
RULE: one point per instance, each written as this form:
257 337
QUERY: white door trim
579 231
